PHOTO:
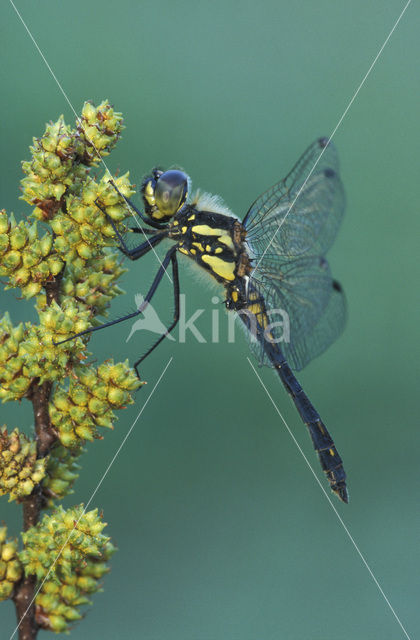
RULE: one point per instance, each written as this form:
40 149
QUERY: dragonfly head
164 193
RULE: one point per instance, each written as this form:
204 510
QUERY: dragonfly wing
302 213
306 308
328 328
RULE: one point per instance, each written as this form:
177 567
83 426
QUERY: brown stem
52 288
45 435
25 611
31 508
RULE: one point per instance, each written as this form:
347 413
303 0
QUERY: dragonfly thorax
213 240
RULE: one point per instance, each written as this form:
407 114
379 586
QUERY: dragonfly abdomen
328 455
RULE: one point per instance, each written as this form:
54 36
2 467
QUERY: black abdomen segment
328 455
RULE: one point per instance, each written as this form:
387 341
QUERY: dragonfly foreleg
137 252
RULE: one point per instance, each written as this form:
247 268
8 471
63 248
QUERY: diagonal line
334 131
93 494
81 126
331 504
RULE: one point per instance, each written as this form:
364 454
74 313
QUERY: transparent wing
306 308
302 213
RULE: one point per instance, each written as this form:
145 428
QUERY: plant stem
39 395
45 434
25 611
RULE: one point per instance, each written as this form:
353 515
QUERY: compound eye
171 192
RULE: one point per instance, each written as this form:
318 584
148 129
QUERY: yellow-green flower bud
20 470
18 237
77 570
61 473
84 251
46 244
32 289
22 276
8 551
11 260
6 589
4 222
10 566
99 128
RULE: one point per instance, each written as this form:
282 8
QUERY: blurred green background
221 528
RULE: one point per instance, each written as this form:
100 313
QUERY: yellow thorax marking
225 270
205 230
198 245
227 240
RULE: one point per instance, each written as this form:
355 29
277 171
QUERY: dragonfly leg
176 313
137 252
148 297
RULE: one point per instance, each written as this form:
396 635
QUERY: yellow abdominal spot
192 217
183 229
235 296
225 270
182 250
198 245
257 311
218 250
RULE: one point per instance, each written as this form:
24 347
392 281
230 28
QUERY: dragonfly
274 259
